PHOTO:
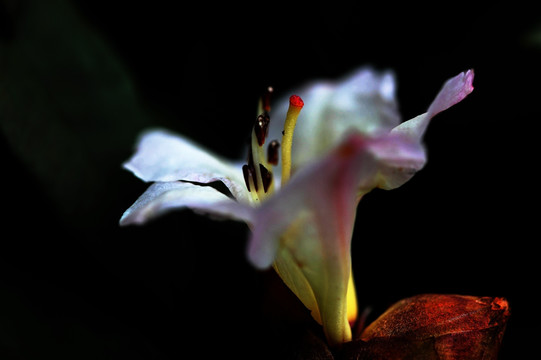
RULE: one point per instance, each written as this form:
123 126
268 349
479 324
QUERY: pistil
295 106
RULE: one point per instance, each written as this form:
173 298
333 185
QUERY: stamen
266 99
266 176
352 311
295 106
272 152
248 172
261 128
263 106
257 176
256 156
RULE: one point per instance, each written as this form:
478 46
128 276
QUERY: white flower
348 141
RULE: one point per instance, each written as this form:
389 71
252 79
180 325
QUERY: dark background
79 80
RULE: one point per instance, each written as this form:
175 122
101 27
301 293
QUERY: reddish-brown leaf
434 327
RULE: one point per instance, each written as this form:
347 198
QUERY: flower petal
162 197
453 91
311 185
364 101
398 161
163 156
306 228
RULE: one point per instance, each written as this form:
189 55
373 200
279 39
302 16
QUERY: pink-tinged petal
309 187
398 162
306 228
163 156
453 91
162 197
363 100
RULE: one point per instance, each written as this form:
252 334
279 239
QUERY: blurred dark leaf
67 106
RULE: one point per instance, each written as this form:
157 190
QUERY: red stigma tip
296 101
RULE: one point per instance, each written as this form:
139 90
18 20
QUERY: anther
266 177
249 177
272 152
261 128
266 99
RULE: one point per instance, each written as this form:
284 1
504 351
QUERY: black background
79 80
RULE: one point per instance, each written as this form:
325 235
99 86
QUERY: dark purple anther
261 128
272 152
248 173
266 177
266 99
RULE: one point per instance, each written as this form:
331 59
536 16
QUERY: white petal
453 91
355 166
162 197
314 189
398 162
163 156
305 229
364 101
